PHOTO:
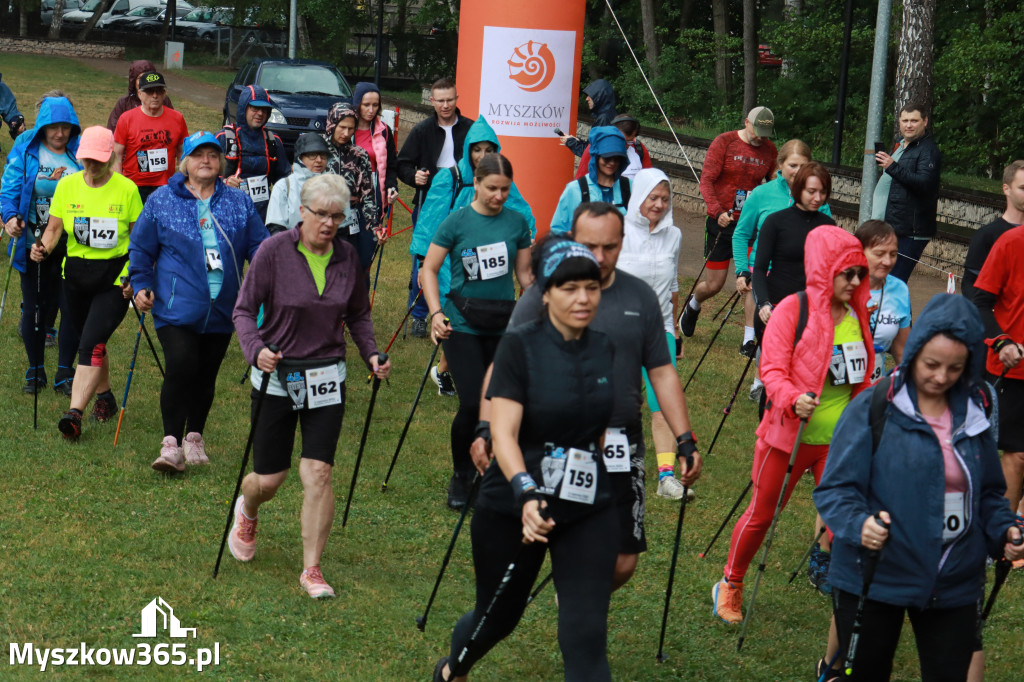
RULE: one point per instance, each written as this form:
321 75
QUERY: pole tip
421 623
662 657
700 555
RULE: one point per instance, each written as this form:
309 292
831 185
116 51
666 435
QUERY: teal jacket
761 202
605 141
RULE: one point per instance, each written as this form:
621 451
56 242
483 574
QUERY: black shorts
630 498
1011 426
718 244
274 434
95 303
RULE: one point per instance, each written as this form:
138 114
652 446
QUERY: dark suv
302 90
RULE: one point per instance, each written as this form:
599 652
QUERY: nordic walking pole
728 516
727 301
1003 567
402 324
792 576
421 621
728 408
725 319
145 333
771 530
245 459
1002 375
382 359
380 257
131 372
870 563
537 590
498 591
672 568
696 281
412 411
38 234
7 281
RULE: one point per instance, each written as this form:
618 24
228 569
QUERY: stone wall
62 48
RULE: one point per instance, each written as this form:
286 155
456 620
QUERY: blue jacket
255 157
166 255
602 114
906 477
605 141
23 165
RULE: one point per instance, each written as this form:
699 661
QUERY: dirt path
179 85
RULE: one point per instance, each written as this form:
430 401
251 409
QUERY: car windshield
91 5
146 11
204 15
310 79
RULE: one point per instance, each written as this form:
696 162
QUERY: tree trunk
915 64
304 46
96 14
792 8
399 31
58 18
685 13
749 56
723 67
22 20
649 17
165 32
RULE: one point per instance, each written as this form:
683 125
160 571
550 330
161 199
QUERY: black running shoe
62 384
688 319
34 384
749 349
70 425
458 491
104 408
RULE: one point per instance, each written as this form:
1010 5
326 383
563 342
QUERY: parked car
765 57
302 89
154 24
206 23
46 10
118 8
121 22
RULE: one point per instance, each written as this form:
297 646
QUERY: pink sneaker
242 538
170 460
195 449
312 580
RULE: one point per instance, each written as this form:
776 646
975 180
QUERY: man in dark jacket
436 142
601 102
907 194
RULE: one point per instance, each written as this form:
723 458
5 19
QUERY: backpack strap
456 185
584 188
233 154
876 412
271 140
625 190
801 320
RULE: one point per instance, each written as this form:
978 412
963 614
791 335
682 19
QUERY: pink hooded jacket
789 372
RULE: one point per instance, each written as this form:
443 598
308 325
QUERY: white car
118 8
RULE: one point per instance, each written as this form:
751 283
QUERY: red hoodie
789 372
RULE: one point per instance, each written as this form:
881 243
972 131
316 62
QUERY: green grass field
89 534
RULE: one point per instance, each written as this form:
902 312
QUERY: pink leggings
767 473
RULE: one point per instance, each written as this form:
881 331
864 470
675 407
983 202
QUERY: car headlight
276 117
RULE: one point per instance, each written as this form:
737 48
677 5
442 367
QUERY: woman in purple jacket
311 287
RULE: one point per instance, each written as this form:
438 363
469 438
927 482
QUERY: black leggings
946 638
193 361
95 303
469 356
582 563
51 298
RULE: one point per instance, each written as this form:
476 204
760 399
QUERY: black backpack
624 190
457 185
233 155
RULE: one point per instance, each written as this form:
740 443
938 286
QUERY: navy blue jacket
906 477
166 255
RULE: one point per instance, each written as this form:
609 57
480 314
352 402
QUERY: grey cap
309 143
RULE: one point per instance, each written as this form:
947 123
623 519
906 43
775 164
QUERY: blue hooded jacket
605 141
603 94
906 477
23 166
166 255
253 146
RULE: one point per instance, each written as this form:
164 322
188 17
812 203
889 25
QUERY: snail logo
532 66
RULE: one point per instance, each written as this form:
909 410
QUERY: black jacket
423 146
914 194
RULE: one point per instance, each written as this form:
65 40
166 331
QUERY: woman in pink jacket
809 374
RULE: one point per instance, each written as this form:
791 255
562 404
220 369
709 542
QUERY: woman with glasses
816 357
187 255
311 154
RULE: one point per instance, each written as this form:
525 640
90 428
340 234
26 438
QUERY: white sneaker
672 488
194 448
171 459
756 389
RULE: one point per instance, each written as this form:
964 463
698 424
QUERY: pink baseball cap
96 143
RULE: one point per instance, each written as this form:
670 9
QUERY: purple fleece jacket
304 324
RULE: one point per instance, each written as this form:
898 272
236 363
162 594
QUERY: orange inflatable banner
519 68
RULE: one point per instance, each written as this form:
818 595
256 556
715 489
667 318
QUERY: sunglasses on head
860 272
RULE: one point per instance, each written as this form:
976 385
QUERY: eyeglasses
443 102
324 216
316 155
859 272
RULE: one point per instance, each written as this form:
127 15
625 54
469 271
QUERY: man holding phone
907 194
435 142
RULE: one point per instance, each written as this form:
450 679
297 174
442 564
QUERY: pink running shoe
312 580
195 449
170 460
242 538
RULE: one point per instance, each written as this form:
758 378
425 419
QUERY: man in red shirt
999 295
736 163
147 139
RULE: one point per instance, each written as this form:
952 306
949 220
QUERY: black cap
309 143
150 80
